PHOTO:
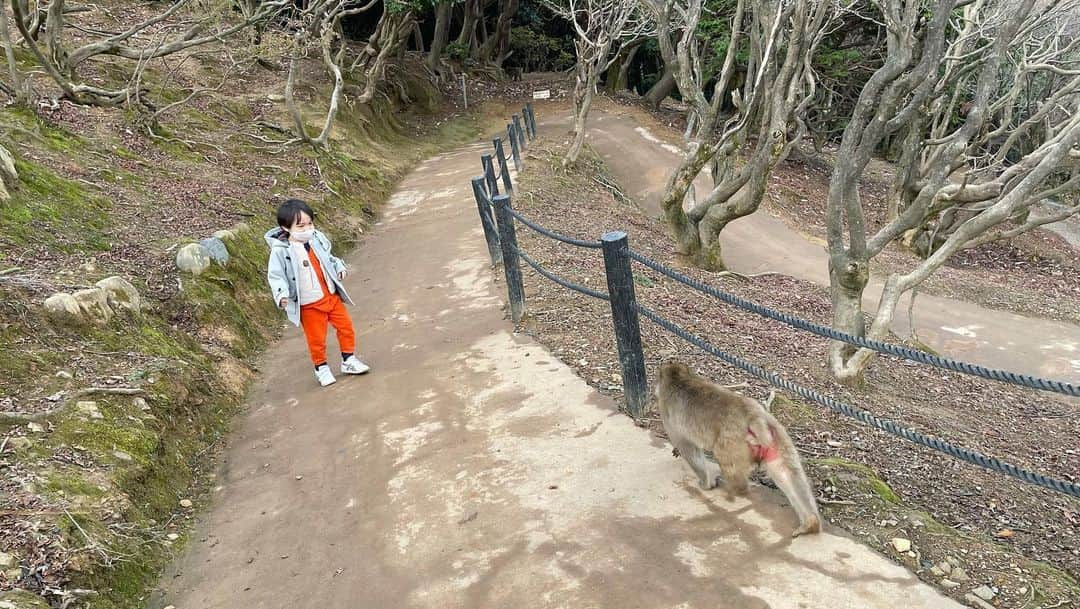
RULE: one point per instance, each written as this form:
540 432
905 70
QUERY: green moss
53 211
72 483
865 476
883 490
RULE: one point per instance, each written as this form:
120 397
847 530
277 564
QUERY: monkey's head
673 370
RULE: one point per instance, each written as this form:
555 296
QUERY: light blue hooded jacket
282 270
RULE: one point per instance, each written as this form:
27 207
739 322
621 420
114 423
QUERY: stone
22 599
193 258
901 545
141 404
64 374
952 560
63 308
225 235
960 575
977 602
121 294
949 584
945 566
276 98
89 408
984 592
122 456
185 503
936 572
9 177
35 427
172 537
8 561
94 303
217 250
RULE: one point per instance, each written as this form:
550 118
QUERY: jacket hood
277 237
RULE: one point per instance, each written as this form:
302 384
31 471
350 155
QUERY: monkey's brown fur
699 415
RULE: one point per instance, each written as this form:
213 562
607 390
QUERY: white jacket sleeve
277 277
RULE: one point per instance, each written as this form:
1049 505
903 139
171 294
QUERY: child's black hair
289 212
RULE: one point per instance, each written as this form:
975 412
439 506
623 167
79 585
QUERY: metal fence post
508 242
525 124
487 219
515 151
489 174
503 168
532 119
620 280
520 134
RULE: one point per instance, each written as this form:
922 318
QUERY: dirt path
641 160
472 469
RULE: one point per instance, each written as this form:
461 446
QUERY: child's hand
284 301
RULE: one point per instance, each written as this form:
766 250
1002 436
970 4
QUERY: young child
306 282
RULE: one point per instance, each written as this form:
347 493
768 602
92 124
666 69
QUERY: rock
35 427
9 177
949 584
122 456
936 572
952 560
900 544
193 258
945 566
276 98
64 374
94 303
984 592
225 235
172 537
22 599
185 503
960 575
977 602
217 250
90 409
8 561
141 404
121 294
63 308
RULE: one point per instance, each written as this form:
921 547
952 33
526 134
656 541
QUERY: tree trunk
443 12
496 46
583 96
9 52
662 88
618 75
467 37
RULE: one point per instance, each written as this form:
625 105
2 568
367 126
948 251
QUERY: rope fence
498 219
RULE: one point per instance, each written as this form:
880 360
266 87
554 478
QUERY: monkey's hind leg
736 465
707 472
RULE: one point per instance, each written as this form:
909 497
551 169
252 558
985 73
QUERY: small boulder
975 601
277 98
89 408
984 592
960 575
193 258
9 177
225 235
900 544
219 253
94 303
63 308
949 584
945 566
186 503
121 294
142 405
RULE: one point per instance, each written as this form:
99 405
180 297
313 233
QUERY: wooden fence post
503 168
515 151
620 280
487 219
489 175
531 119
508 242
520 134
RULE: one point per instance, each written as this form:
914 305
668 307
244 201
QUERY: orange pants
315 317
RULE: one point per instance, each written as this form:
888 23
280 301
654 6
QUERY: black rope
553 235
922 357
887 425
559 280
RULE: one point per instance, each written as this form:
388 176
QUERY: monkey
699 415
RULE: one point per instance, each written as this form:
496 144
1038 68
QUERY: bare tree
169 31
599 26
945 60
779 39
15 89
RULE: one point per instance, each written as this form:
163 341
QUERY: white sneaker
354 366
324 376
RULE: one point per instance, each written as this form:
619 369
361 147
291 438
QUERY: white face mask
303 236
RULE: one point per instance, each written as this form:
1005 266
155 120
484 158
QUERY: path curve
471 469
642 160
